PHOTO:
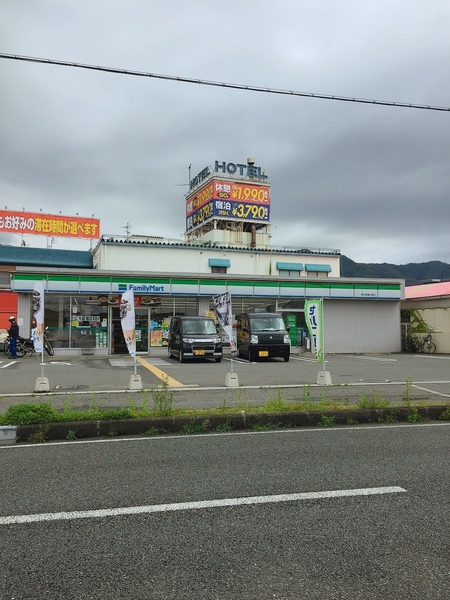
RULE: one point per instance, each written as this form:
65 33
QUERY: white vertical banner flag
314 322
222 306
128 320
37 331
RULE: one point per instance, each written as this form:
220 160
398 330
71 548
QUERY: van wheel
252 355
218 359
181 356
286 358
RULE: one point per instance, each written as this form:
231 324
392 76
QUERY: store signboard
27 223
227 209
242 192
152 290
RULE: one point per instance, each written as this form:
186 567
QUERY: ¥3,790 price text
253 211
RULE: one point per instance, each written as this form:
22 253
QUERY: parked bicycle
427 345
25 345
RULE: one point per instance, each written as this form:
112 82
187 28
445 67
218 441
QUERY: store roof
44 257
428 290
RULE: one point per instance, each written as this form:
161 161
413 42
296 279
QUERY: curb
79 430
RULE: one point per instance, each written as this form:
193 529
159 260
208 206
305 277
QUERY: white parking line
375 358
8 364
220 503
434 392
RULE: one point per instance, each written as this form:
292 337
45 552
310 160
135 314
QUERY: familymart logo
141 287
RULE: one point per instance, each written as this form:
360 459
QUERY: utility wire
234 86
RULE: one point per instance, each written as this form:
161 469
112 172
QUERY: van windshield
267 324
198 326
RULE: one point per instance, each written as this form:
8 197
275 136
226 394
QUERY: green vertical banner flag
314 322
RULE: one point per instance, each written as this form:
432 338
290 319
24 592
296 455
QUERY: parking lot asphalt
206 384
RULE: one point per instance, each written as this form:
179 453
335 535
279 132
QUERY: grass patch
376 402
194 428
265 426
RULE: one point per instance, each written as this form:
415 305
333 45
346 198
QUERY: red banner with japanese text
27 223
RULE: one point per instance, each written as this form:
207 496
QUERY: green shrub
27 414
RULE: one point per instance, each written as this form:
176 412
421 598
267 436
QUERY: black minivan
194 337
262 335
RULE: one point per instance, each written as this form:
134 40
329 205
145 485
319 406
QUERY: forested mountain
412 273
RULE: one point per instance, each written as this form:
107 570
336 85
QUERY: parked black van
194 337
262 335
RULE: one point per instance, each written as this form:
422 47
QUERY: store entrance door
118 345
142 330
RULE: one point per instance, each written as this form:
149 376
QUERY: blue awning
219 262
282 266
321 268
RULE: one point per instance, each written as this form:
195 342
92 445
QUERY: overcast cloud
371 181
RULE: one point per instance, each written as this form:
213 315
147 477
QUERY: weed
407 395
307 394
162 399
112 432
445 416
276 405
389 418
115 413
326 421
413 416
375 402
265 426
71 435
192 428
352 422
152 431
39 436
224 427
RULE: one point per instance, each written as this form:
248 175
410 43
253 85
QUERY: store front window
92 322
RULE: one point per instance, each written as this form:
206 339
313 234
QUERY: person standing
13 332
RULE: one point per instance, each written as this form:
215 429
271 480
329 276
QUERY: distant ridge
412 273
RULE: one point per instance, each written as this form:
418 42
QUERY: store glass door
118 345
142 329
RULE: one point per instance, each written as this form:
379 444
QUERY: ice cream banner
222 306
128 320
37 330
314 322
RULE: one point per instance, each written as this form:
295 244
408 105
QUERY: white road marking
432 356
57 362
8 364
375 358
202 504
311 360
418 387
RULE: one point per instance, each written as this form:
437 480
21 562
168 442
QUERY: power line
234 86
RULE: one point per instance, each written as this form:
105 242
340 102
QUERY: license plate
263 353
199 352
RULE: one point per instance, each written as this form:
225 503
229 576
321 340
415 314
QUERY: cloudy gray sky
372 181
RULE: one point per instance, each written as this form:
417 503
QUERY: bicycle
427 345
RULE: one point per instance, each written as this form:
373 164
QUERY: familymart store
82 307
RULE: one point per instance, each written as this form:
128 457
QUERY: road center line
202 504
